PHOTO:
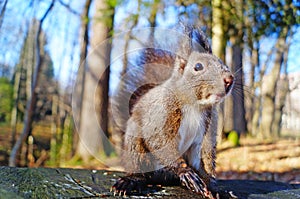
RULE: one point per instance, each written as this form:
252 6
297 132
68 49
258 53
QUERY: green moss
6 90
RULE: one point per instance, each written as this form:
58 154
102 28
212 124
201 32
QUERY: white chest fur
191 132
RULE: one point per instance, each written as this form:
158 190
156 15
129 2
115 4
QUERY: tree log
79 183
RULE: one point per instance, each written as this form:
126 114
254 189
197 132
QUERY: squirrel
171 131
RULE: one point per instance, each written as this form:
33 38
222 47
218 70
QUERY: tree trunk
254 54
67 140
218 35
14 112
218 46
236 40
253 104
54 129
240 125
228 102
282 92
269 87
282 87
239 119
253 44
30 107
93 130
258 100
77 99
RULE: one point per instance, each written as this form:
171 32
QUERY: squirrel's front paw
126 185
192 181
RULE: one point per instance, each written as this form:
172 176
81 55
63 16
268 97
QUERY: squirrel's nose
228 82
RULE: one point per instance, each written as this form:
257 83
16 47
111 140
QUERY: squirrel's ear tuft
200 41
197 40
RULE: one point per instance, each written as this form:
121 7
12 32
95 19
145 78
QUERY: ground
260 160
253 159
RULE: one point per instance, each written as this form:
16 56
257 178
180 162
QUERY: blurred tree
252 43
218 48
236 34
227 17
218 30
95 88
270 86
47 86
22 80
258 25
79 92
15 100
252 20
31 104
282 17
21 88
282 90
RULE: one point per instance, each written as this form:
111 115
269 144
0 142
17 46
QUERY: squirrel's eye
198 67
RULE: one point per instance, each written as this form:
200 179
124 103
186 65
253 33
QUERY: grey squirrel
171 131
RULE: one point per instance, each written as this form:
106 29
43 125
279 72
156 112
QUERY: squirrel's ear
181 64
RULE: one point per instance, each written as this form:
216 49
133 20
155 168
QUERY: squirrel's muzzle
228 83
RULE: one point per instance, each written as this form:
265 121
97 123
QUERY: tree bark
93 130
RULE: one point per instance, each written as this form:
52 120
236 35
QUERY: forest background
52 50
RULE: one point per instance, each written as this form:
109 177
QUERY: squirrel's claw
192 181
125 185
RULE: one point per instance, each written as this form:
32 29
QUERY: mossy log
81 183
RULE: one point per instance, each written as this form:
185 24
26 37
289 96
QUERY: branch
47 12
2 13
68 7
